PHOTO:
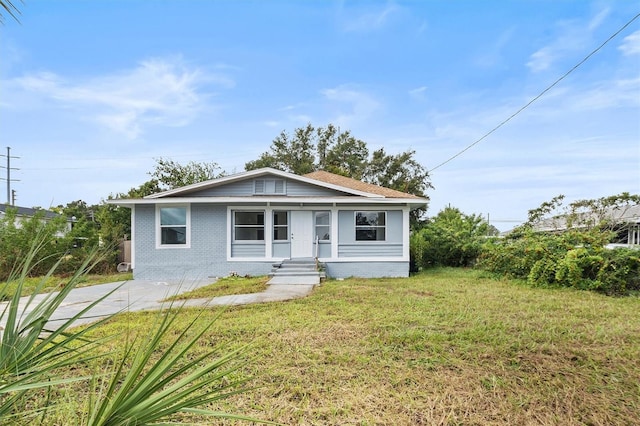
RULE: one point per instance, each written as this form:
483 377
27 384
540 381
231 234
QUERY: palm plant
148 383
7 6
30 353
154 390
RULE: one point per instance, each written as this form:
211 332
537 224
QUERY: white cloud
360 105
597 20
158 92
631 44
369 20
572 36
542 59
418 93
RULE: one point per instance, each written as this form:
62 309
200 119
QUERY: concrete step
304 269
296 273
294 265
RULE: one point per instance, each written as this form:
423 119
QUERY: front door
301 234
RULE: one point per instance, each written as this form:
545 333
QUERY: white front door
301 234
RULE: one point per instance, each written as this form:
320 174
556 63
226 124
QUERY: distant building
25 213
625 221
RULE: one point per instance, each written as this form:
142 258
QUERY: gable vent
269 186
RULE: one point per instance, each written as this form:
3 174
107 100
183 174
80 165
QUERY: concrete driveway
140 295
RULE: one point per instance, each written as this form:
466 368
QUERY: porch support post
268 232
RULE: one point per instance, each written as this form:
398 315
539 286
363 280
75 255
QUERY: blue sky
91 92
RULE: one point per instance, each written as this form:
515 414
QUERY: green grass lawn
54 283
226 287
446 347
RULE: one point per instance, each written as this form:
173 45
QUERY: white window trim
233 226
268 237
355 227
315 225
159 244
274 226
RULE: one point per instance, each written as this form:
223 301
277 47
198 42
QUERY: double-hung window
371 226
248 226
323 226
174 226
280 225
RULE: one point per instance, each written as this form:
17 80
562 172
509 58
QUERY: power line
539 95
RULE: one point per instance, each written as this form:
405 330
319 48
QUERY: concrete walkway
140 295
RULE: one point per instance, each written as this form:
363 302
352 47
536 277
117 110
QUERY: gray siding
246 188
299 189
370 250
247 250
235 189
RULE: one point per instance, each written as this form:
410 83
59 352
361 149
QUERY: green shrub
574 259
452 238
619 273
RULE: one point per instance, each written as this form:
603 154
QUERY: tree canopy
327 148
170 174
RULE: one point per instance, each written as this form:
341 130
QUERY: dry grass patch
447 347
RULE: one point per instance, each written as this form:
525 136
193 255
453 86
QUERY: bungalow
246 222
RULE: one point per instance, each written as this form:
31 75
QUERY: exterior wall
282 249
299 189
210 253
205 258
367 269
324 249
235 189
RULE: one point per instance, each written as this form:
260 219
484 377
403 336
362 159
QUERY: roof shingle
348 182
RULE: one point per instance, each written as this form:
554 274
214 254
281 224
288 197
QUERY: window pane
366 234
322 218
369 218
280 218
174 235
249 218
173 216
281 233
323 233
371 226
249 233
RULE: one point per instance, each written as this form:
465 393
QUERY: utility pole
9 168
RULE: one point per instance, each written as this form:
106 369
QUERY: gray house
244 223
